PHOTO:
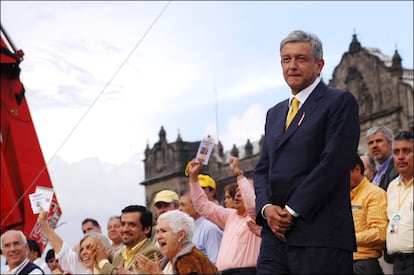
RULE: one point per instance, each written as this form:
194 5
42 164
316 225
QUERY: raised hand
147 265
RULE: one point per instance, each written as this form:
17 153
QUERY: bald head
14 247
369 166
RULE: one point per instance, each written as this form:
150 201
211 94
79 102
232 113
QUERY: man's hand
279 220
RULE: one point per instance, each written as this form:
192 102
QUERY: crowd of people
315 205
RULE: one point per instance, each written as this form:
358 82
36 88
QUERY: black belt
241 270
403 256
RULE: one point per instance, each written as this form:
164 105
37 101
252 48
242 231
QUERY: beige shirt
400 215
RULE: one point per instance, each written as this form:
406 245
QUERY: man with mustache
380 148
400 205
379 140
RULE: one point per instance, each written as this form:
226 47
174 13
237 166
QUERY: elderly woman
83 263
174 233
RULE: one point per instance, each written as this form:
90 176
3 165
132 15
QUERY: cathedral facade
382 87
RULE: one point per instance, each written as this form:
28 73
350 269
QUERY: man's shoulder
148 248
393 184
392 171
30 267
338 93
374 190
280 104
206 225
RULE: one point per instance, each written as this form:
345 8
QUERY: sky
102 77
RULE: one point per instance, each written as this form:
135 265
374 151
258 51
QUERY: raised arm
55 241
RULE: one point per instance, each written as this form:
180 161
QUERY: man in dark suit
379 141
302 177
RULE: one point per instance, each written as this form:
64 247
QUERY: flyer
205 149
42 198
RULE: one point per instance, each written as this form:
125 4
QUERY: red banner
22 164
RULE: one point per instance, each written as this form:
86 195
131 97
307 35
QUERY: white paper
47 194
205 149
37 200
42 198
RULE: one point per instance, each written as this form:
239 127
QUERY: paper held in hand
41 198
205 149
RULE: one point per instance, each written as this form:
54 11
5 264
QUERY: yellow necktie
293 111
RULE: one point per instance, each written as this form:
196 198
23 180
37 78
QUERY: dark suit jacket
388 176
307 167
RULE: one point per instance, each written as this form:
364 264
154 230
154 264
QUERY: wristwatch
238 173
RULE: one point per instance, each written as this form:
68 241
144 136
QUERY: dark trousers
277 257
404 263
367 266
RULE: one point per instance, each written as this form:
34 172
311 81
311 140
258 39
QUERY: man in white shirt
35 256
400 242
14 247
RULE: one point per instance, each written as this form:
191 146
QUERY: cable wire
88 110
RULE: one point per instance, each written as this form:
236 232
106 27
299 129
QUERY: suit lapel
304 113
278 119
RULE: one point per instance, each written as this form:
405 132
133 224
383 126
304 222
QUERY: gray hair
179 221
97 236
22 236
115 217
387 132
302 36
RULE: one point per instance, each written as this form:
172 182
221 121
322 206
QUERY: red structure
23 167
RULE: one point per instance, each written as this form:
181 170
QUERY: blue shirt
381 169
207 238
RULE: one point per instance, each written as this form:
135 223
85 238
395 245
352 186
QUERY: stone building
165 163
382 87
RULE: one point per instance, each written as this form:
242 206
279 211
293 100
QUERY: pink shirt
239 246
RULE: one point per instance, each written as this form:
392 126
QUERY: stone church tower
382 87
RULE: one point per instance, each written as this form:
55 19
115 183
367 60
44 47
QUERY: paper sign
41 198
37 200
47 194
205 149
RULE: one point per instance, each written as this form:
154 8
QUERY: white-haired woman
174 233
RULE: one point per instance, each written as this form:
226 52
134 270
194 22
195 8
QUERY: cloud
92 188
202 64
